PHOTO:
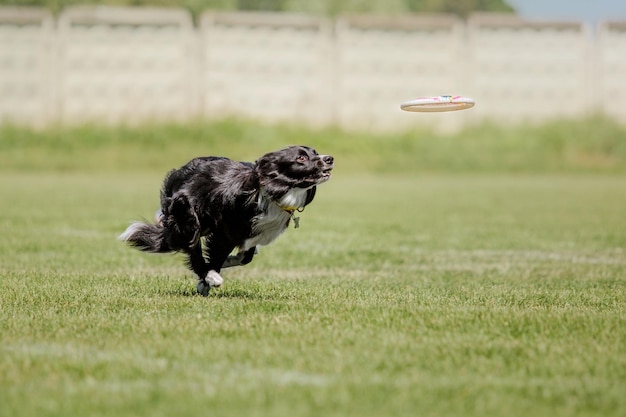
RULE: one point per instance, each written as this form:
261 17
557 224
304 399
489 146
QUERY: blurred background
322 64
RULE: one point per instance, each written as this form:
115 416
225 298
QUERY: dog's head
293 167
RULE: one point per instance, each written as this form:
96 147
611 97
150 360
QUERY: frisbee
438 104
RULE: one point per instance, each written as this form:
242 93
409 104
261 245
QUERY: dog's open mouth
320 176
326 173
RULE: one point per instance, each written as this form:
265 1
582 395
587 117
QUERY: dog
214 205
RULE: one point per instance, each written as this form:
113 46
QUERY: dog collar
287 209
291 210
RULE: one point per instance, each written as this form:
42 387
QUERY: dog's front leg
242 258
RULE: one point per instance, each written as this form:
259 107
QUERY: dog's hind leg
212 260
198 265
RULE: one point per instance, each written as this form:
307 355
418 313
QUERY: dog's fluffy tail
146 237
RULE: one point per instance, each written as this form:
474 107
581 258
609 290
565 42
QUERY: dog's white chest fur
274 217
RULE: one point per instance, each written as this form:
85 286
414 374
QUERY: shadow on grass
253 293
244 294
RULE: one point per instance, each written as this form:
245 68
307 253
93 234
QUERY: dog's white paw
214 279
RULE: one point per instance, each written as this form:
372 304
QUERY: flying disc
438 104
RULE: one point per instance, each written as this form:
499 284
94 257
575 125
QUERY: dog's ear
274 188
270 178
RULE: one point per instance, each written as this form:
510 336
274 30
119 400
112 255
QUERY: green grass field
481 291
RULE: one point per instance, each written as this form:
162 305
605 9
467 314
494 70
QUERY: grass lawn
408 295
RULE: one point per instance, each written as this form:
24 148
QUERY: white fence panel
114 64
267 65
126 64
383 61
612 74
27 70
524 70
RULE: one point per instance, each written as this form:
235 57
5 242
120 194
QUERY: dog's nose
328 159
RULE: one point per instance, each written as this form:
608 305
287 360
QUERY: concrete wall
27 66
113 65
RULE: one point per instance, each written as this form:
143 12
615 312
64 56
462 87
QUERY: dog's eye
302 158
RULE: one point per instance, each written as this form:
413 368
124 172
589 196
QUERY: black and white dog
212 205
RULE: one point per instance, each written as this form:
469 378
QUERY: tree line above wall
323 7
